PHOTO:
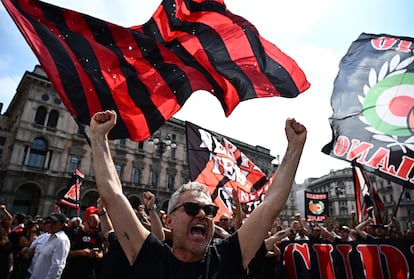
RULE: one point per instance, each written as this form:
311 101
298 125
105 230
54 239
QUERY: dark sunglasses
192 209
224 219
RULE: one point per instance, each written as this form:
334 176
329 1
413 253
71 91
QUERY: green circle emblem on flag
388 103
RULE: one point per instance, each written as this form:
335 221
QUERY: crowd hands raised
115 240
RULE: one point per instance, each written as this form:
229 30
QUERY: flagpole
399 200
82 130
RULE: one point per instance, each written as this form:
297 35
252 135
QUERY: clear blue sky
315 33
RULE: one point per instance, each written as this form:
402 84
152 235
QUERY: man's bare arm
130 232
253 232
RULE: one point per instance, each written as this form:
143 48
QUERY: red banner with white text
374 260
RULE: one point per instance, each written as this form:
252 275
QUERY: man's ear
168 220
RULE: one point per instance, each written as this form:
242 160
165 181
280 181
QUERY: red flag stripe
195 48
247 70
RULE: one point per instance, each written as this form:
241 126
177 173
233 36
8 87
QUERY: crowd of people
115 240
88 247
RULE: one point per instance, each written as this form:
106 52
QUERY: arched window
53 119
170 182
136 176
173 153
37 155
27 199
40 116
118 170
73 163
154 179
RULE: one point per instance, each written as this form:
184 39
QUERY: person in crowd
75 224
53 253
6 218
143 216
394 228
86 251
294 228
156 226
190 216
225 222
18 239
30 233
368 230
409 234
6 255
31 253
315 232
344 233
276 226
302 233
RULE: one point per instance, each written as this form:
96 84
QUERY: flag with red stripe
367 199
72 194
217 163
146 73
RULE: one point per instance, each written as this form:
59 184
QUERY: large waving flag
146 73
215 162
368 202
373 107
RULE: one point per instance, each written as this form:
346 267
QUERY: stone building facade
341 192
41 144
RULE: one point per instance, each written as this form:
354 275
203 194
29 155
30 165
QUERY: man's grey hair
190 186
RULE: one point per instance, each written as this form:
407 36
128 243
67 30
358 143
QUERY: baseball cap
58 217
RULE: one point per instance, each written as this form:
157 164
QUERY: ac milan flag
368 202
146 73
316 206
72 193
215 162
373 107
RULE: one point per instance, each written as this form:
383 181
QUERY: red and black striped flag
367 199
146 73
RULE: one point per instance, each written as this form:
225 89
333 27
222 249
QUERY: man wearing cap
52 256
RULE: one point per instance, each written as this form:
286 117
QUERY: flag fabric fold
367 199
373 107
217 163
72 194
147 72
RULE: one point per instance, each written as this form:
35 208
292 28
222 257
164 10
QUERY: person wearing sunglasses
190 216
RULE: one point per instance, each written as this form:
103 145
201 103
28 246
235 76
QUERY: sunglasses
192 209
224 219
